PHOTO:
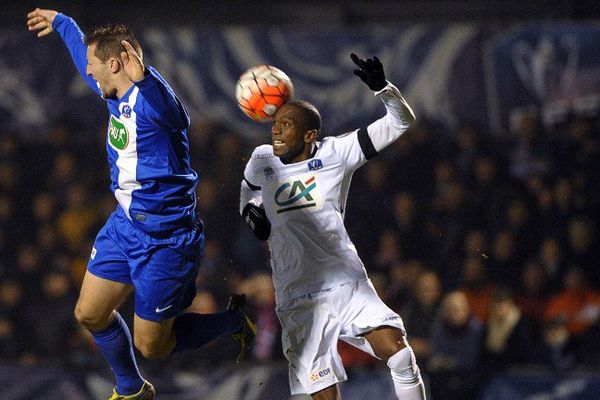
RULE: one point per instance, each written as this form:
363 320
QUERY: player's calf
406 376
153 339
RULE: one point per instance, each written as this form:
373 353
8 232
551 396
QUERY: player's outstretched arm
47 21
399 114
41 20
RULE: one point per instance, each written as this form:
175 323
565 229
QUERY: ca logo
292 199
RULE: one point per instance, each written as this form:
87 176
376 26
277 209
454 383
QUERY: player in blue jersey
152 243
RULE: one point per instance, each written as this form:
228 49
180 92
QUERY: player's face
101 72
288 138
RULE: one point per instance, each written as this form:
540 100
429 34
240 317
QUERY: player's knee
91 320
403 367
151 348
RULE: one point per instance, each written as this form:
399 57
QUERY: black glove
257 221
371 72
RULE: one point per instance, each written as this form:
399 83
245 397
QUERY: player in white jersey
294 194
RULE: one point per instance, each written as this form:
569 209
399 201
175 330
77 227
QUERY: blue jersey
147 145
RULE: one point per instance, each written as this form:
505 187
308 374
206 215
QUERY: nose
275 128
87 70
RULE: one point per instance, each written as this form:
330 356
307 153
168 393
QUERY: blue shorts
162 270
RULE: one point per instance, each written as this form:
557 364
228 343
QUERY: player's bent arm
253 212
249 194
167 109
398 118
72 36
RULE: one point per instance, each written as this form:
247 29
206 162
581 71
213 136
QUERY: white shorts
313 323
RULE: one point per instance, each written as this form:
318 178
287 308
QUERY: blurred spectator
62 175
476 287
75 223
469 148
489 191
551 259
13 338
456 343
504 264
583 249
419 313
371 200
578 304
559 350
389 252
532 294
402 277
510 337
50 337
531 153
407 222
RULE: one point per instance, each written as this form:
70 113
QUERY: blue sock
194 330
114 343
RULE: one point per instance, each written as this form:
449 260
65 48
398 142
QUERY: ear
115 65
310 136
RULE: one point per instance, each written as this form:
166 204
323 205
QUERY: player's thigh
330 393
370 325
164 275
98 298
310 331
386 341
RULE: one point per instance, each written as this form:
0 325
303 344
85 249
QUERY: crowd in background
487 245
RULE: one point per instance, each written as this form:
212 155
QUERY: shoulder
263 152
339 142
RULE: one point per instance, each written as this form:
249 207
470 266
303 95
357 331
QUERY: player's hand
371 72
132 62
257 220
41 20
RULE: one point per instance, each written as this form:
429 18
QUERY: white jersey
305 203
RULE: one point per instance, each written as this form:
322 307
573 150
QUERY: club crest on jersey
269 174
117 133
126 110
295 195
315 164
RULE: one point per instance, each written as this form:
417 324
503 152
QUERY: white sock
406 376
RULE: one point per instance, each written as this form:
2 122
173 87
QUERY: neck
123 85
307 153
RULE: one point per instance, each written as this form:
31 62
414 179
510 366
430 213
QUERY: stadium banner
551 70
452 73
543 386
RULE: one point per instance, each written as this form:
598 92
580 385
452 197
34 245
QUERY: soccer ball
261 90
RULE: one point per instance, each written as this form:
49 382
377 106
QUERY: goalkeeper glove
371 72
256 218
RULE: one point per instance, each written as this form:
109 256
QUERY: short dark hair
108 40
311 118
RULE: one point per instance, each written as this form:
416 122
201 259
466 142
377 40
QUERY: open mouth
278 144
